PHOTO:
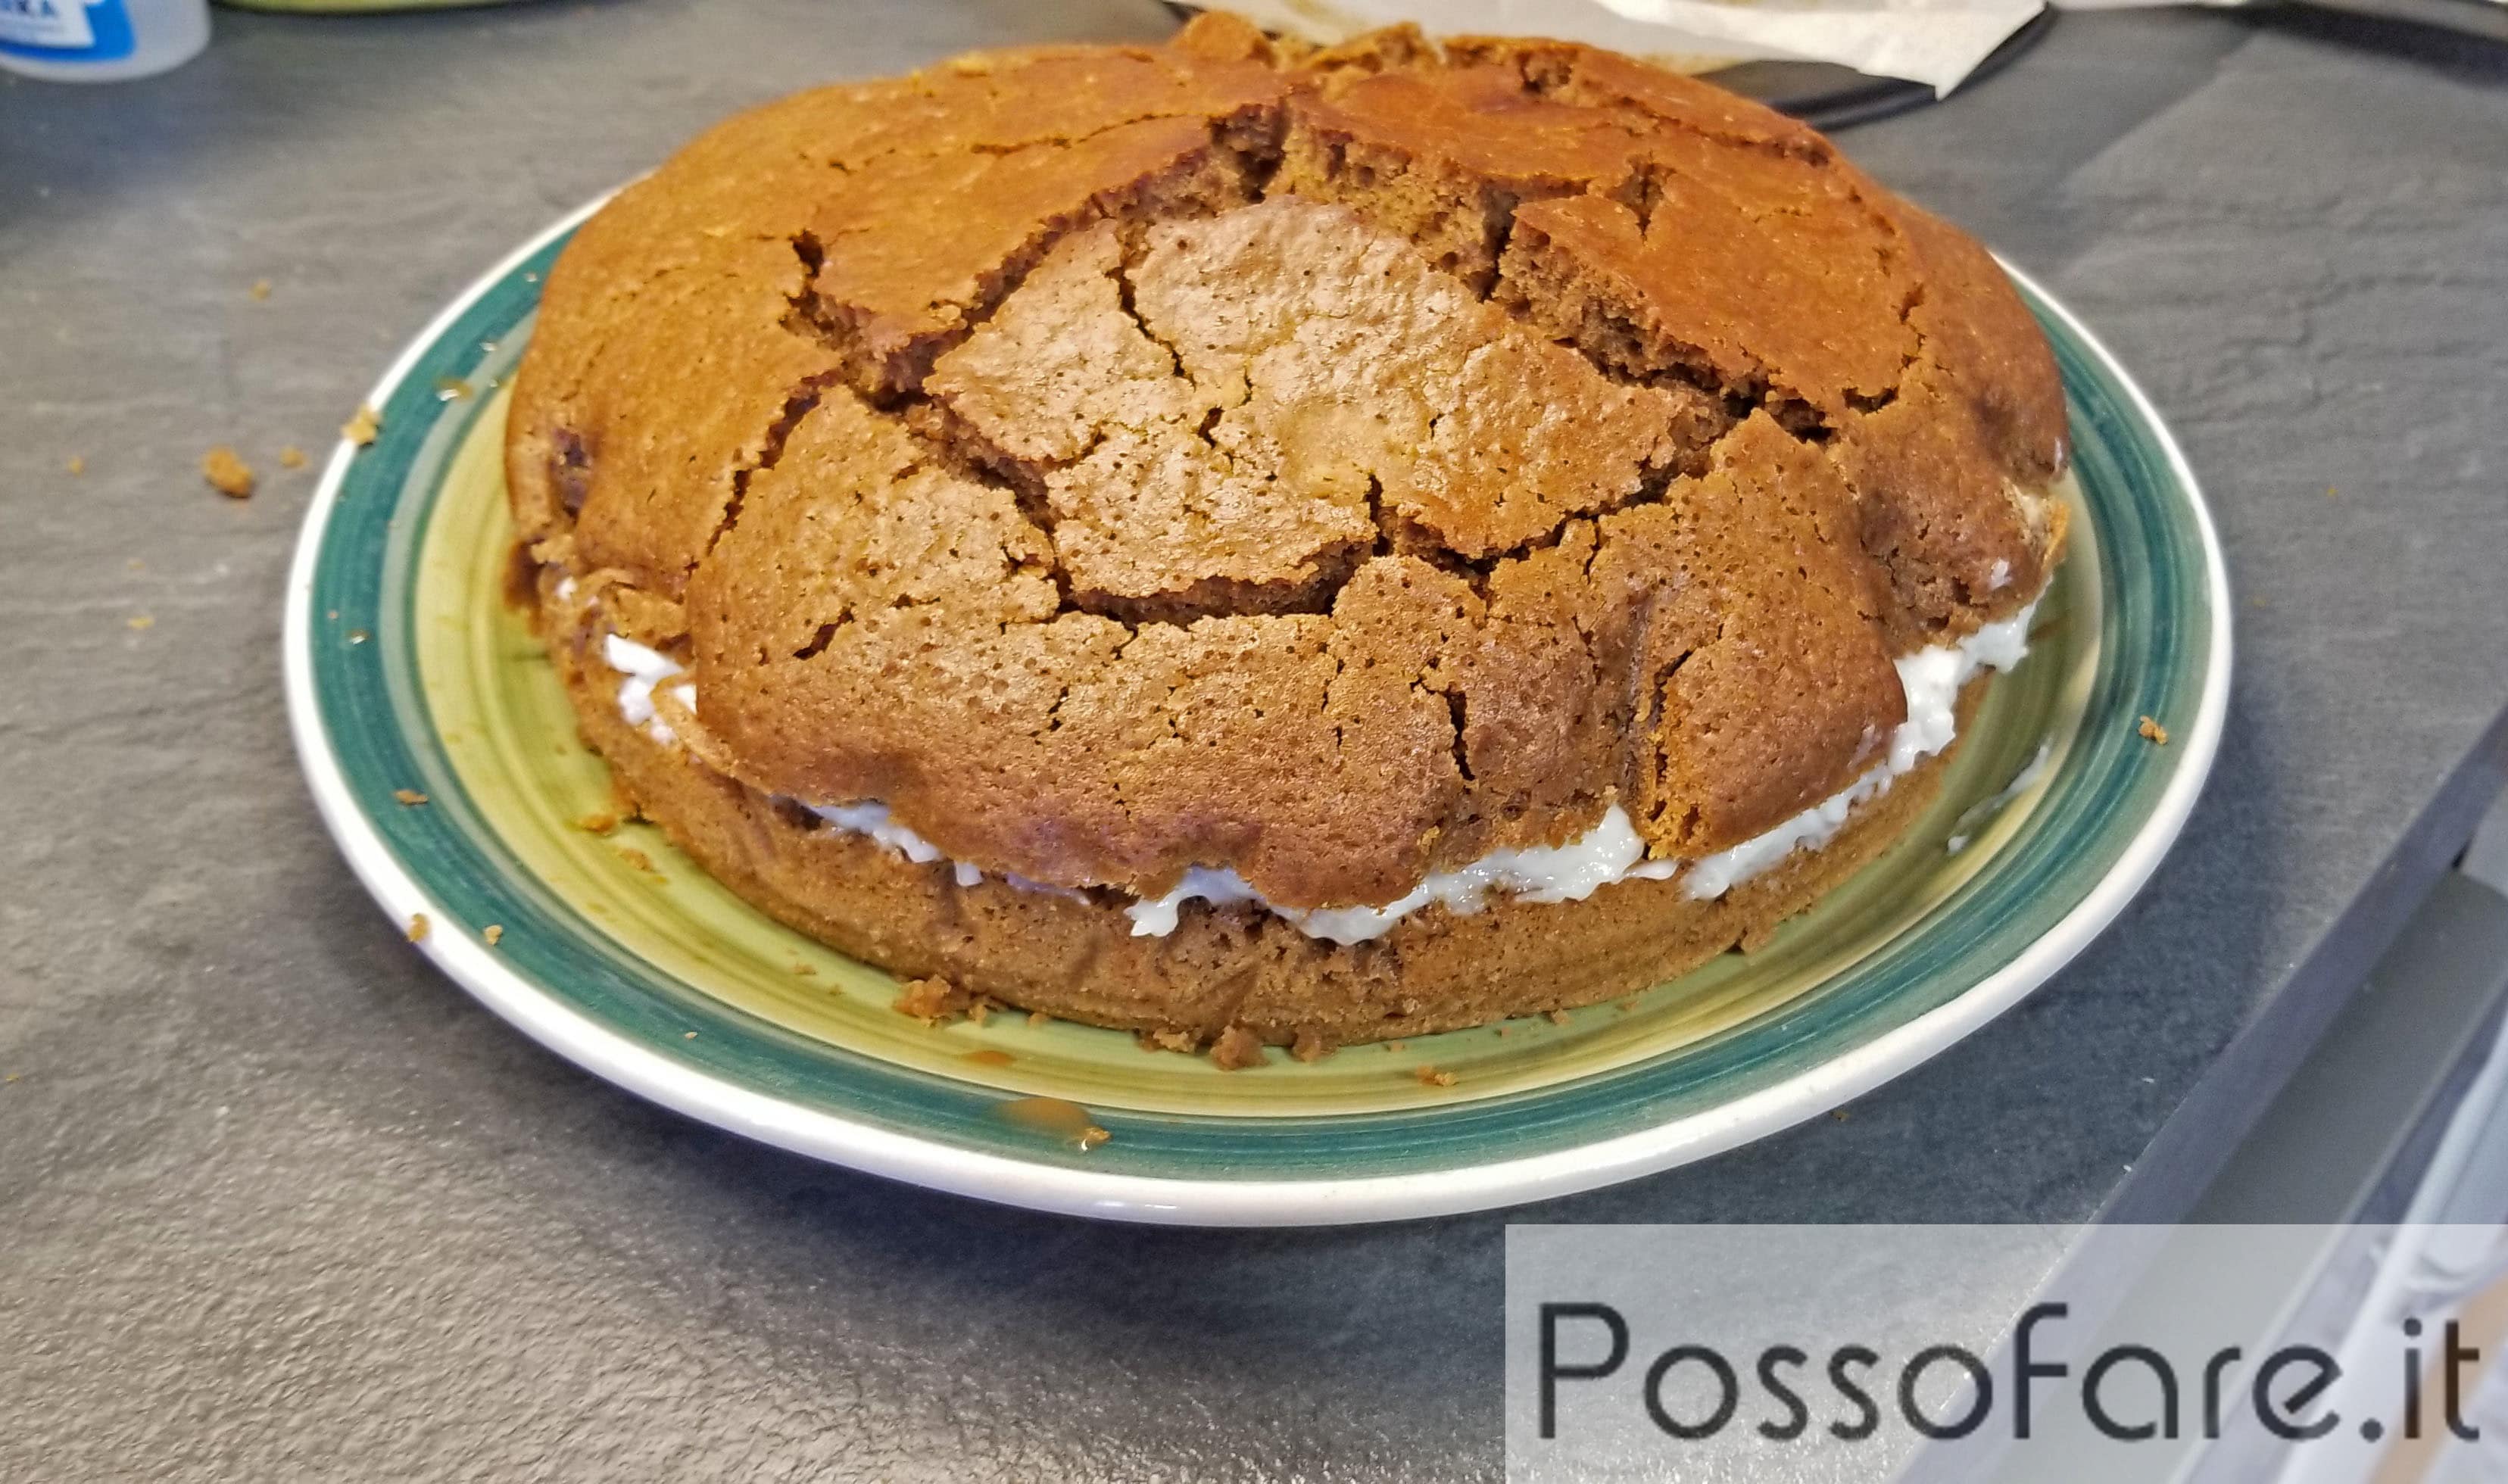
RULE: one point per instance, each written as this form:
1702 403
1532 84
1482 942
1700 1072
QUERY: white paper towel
1927 41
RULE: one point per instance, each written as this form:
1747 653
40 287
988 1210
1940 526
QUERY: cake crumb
1504 1032
494 933
931 1000
408 796
359 636
290 457
1090 1137
77 466
637 858
2331 491
690 1036
362 428
2153 732
139 621
1167 1040
1310 1048
1236 1049
1838 1113
418 927
1038 1017
1559 1017
1431 1077
260 290
806 971
227 474
597 824
1395 1046
981 1011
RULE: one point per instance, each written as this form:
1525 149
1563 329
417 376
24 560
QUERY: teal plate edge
2108 816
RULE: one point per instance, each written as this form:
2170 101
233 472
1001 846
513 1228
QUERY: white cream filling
1611 851
872 819
645 669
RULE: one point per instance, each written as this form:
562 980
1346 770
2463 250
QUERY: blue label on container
65 31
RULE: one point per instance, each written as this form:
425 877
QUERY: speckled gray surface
278 1202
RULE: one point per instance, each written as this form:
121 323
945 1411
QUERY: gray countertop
280 1200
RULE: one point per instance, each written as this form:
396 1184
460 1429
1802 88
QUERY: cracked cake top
1332 465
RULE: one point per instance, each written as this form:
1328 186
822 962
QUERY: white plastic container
101 41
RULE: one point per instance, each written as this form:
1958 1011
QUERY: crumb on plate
227 474
932 1000
1236 1049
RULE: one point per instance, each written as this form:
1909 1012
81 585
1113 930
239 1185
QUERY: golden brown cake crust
1331 466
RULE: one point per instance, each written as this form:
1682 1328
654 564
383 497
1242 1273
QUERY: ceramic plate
405 672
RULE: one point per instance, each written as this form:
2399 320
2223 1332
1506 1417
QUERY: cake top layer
1331 466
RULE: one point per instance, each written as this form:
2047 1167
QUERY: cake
1254 544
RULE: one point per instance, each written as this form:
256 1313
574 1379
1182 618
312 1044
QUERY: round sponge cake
1284 546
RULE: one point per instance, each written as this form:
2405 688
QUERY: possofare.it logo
2129 1393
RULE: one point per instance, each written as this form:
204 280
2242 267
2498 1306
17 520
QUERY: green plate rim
2106 820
